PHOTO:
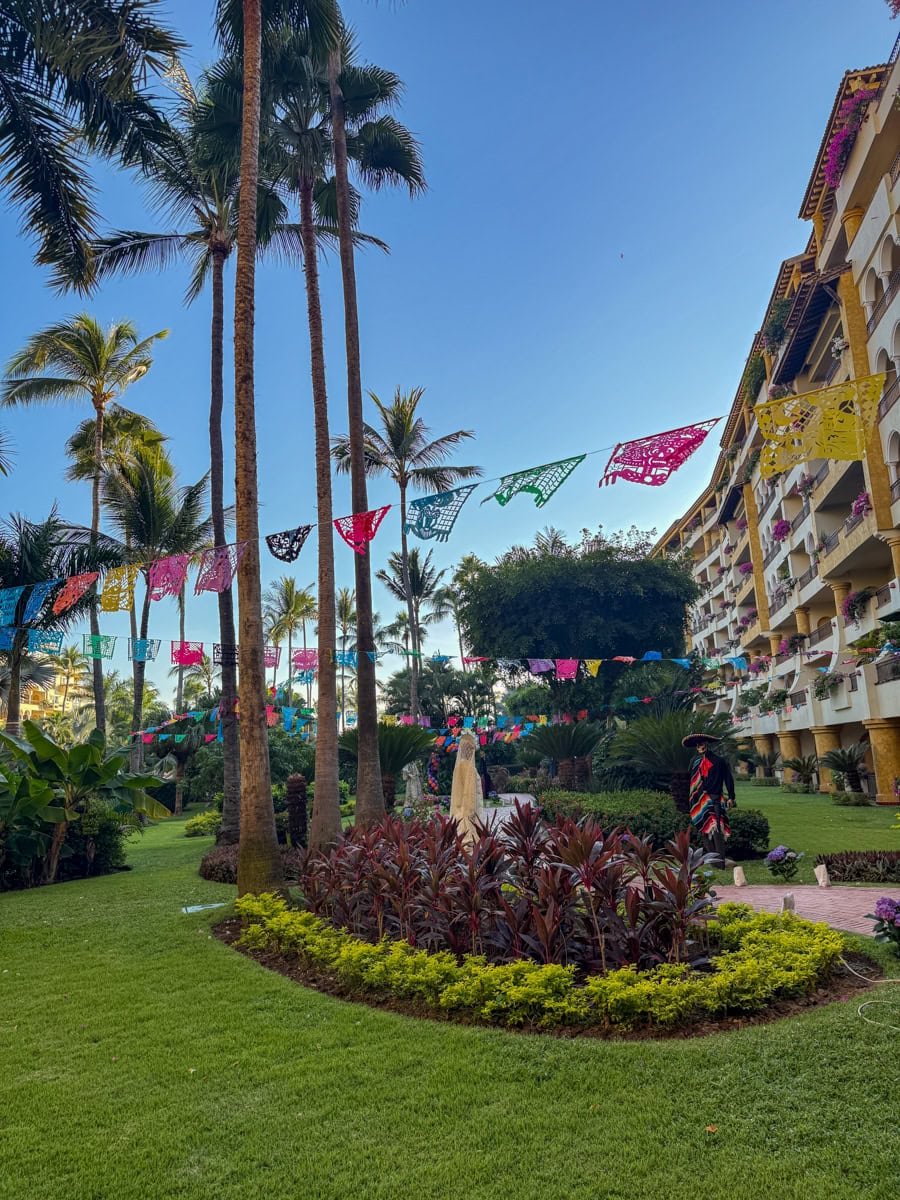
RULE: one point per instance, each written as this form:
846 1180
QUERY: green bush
852 799
95 845
763 782
749 833
760 957
205 824
798 789
220 864
644 813
862 866
343 791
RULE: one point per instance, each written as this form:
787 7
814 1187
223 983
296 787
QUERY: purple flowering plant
887 922
861 505
783 862
781 529
852 113
745 568
741 524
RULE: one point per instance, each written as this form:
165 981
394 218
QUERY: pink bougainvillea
741 524
781 529
861 505
851 113
746 568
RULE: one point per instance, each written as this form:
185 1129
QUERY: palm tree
73 666
403 450
398 745
71 77
448 601
124 434
89 362
565 744
155 519
6 456
31 552
417 582
287 609
804 768
847 762
384 153
654 743
346 622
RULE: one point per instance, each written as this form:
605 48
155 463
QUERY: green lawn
142 1060
816 826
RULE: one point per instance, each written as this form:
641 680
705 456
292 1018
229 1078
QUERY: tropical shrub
754 378
749 834
566 744
761 957
654 744
522 889
862 866
646 814
205 824
95 845
847 762
219 865
773 332
80 779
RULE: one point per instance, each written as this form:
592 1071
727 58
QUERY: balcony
800 517
853 520
808 575
822 634
767 502
895 489
889 398
830 542
888 671
893 286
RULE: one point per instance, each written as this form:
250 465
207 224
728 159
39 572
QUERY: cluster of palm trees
288 119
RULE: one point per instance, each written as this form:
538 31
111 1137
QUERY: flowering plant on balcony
826 684
720 570
696 521
758 666
741 524
855 605
861 505
780 391
774 700
791 644
852 114
728 548
838 346
745 568
781 529
806 485
774 329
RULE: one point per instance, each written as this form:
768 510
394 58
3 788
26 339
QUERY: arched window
893 456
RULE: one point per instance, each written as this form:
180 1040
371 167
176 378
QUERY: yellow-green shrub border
761 957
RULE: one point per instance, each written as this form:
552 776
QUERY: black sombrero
694 739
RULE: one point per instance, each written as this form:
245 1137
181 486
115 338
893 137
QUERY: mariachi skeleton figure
710 777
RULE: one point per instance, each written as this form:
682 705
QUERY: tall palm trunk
65 694
179 786
369 797
343 670
231 786
290 653
139 671
94 617
680 790
325 827
291 668
179 686
259 863
410 612
14 699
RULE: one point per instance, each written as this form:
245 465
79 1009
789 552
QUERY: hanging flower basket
745 568
781 530
806 485
855 605
826 684
741 524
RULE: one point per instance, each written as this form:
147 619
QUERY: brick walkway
842 907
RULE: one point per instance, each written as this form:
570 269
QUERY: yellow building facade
800 573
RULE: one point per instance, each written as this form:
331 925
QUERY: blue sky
611 193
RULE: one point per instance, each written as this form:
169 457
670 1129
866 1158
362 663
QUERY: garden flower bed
758 960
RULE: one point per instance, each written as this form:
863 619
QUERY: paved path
842 907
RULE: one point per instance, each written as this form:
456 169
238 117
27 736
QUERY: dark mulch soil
842 986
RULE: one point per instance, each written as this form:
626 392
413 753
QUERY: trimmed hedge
644 813
852 799
862 866
761 957
654 814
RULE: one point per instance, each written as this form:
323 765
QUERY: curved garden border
763 959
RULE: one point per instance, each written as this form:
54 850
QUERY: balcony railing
797 698
889 670
893 286
767 502
895 489
889 398
895 169
829 542
852 521
778 602
853 682
801 516
809 574
770 554
833 369
820 635
883 596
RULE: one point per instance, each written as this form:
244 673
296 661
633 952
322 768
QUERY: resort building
800 572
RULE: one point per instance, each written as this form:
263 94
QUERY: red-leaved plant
565 893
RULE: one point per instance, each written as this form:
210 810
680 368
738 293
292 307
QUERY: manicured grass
144 1060
814 825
